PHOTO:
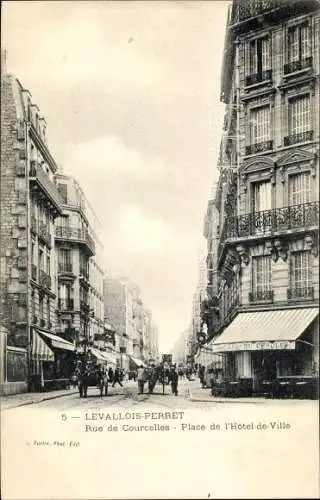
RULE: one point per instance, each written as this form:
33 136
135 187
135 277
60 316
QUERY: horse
92 377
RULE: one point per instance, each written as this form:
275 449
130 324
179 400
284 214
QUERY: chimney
3 61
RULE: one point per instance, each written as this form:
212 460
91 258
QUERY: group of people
152 375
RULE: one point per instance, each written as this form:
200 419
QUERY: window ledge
254 86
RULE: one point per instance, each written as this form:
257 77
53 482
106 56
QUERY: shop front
270 353
52 361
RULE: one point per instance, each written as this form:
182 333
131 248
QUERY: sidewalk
28 398
197 394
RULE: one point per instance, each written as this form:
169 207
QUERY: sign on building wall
254 346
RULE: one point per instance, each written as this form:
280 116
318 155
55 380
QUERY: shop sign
277 345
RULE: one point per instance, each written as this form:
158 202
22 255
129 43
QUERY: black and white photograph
159 249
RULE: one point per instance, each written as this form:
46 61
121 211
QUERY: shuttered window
261 274
298 43
260 125
300 270
261 196
259 55
299 188
299 115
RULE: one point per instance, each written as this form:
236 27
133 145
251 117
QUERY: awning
110 358
57 342
97 354
40 350
138 362
264 330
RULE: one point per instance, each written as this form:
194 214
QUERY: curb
47 398
221 401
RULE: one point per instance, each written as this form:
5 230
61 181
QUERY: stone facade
29 205
267 197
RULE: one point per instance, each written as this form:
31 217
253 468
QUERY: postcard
159 256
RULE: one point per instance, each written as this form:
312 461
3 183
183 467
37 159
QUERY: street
190 396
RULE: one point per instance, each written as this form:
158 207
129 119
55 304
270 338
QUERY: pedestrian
152 376
141 379
117 378
110 375
174 378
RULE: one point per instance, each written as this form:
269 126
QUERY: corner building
267 199
30 204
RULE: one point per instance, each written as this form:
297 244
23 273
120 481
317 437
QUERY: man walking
141 379
174 377
117 378
152 379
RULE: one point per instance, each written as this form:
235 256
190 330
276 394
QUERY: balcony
44 234
299 65
259 77
259 296
259 147
34 272
269 222
40 180
300 293
44 280
65 267
77 235
66 304
301 137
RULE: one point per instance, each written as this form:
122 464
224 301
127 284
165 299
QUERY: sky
130 92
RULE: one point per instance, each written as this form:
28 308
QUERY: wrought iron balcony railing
259 147
304 292
65 267
76 234
268 222
301 137
34 272
66 304
251 8
293 66
259 77
40 178
261 296
44 279
278 219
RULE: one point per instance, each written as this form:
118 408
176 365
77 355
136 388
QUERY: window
298 43
260 125
261 276
41 308
48 265
64 260
299 188
259 55
299 115
261 196
63 191
48 312
300 272
41 260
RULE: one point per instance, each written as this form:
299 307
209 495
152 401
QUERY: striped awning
138 362
265 330
97 354
40 350
57 342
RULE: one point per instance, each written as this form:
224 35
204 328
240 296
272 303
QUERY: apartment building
80 310
267 197
30 205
